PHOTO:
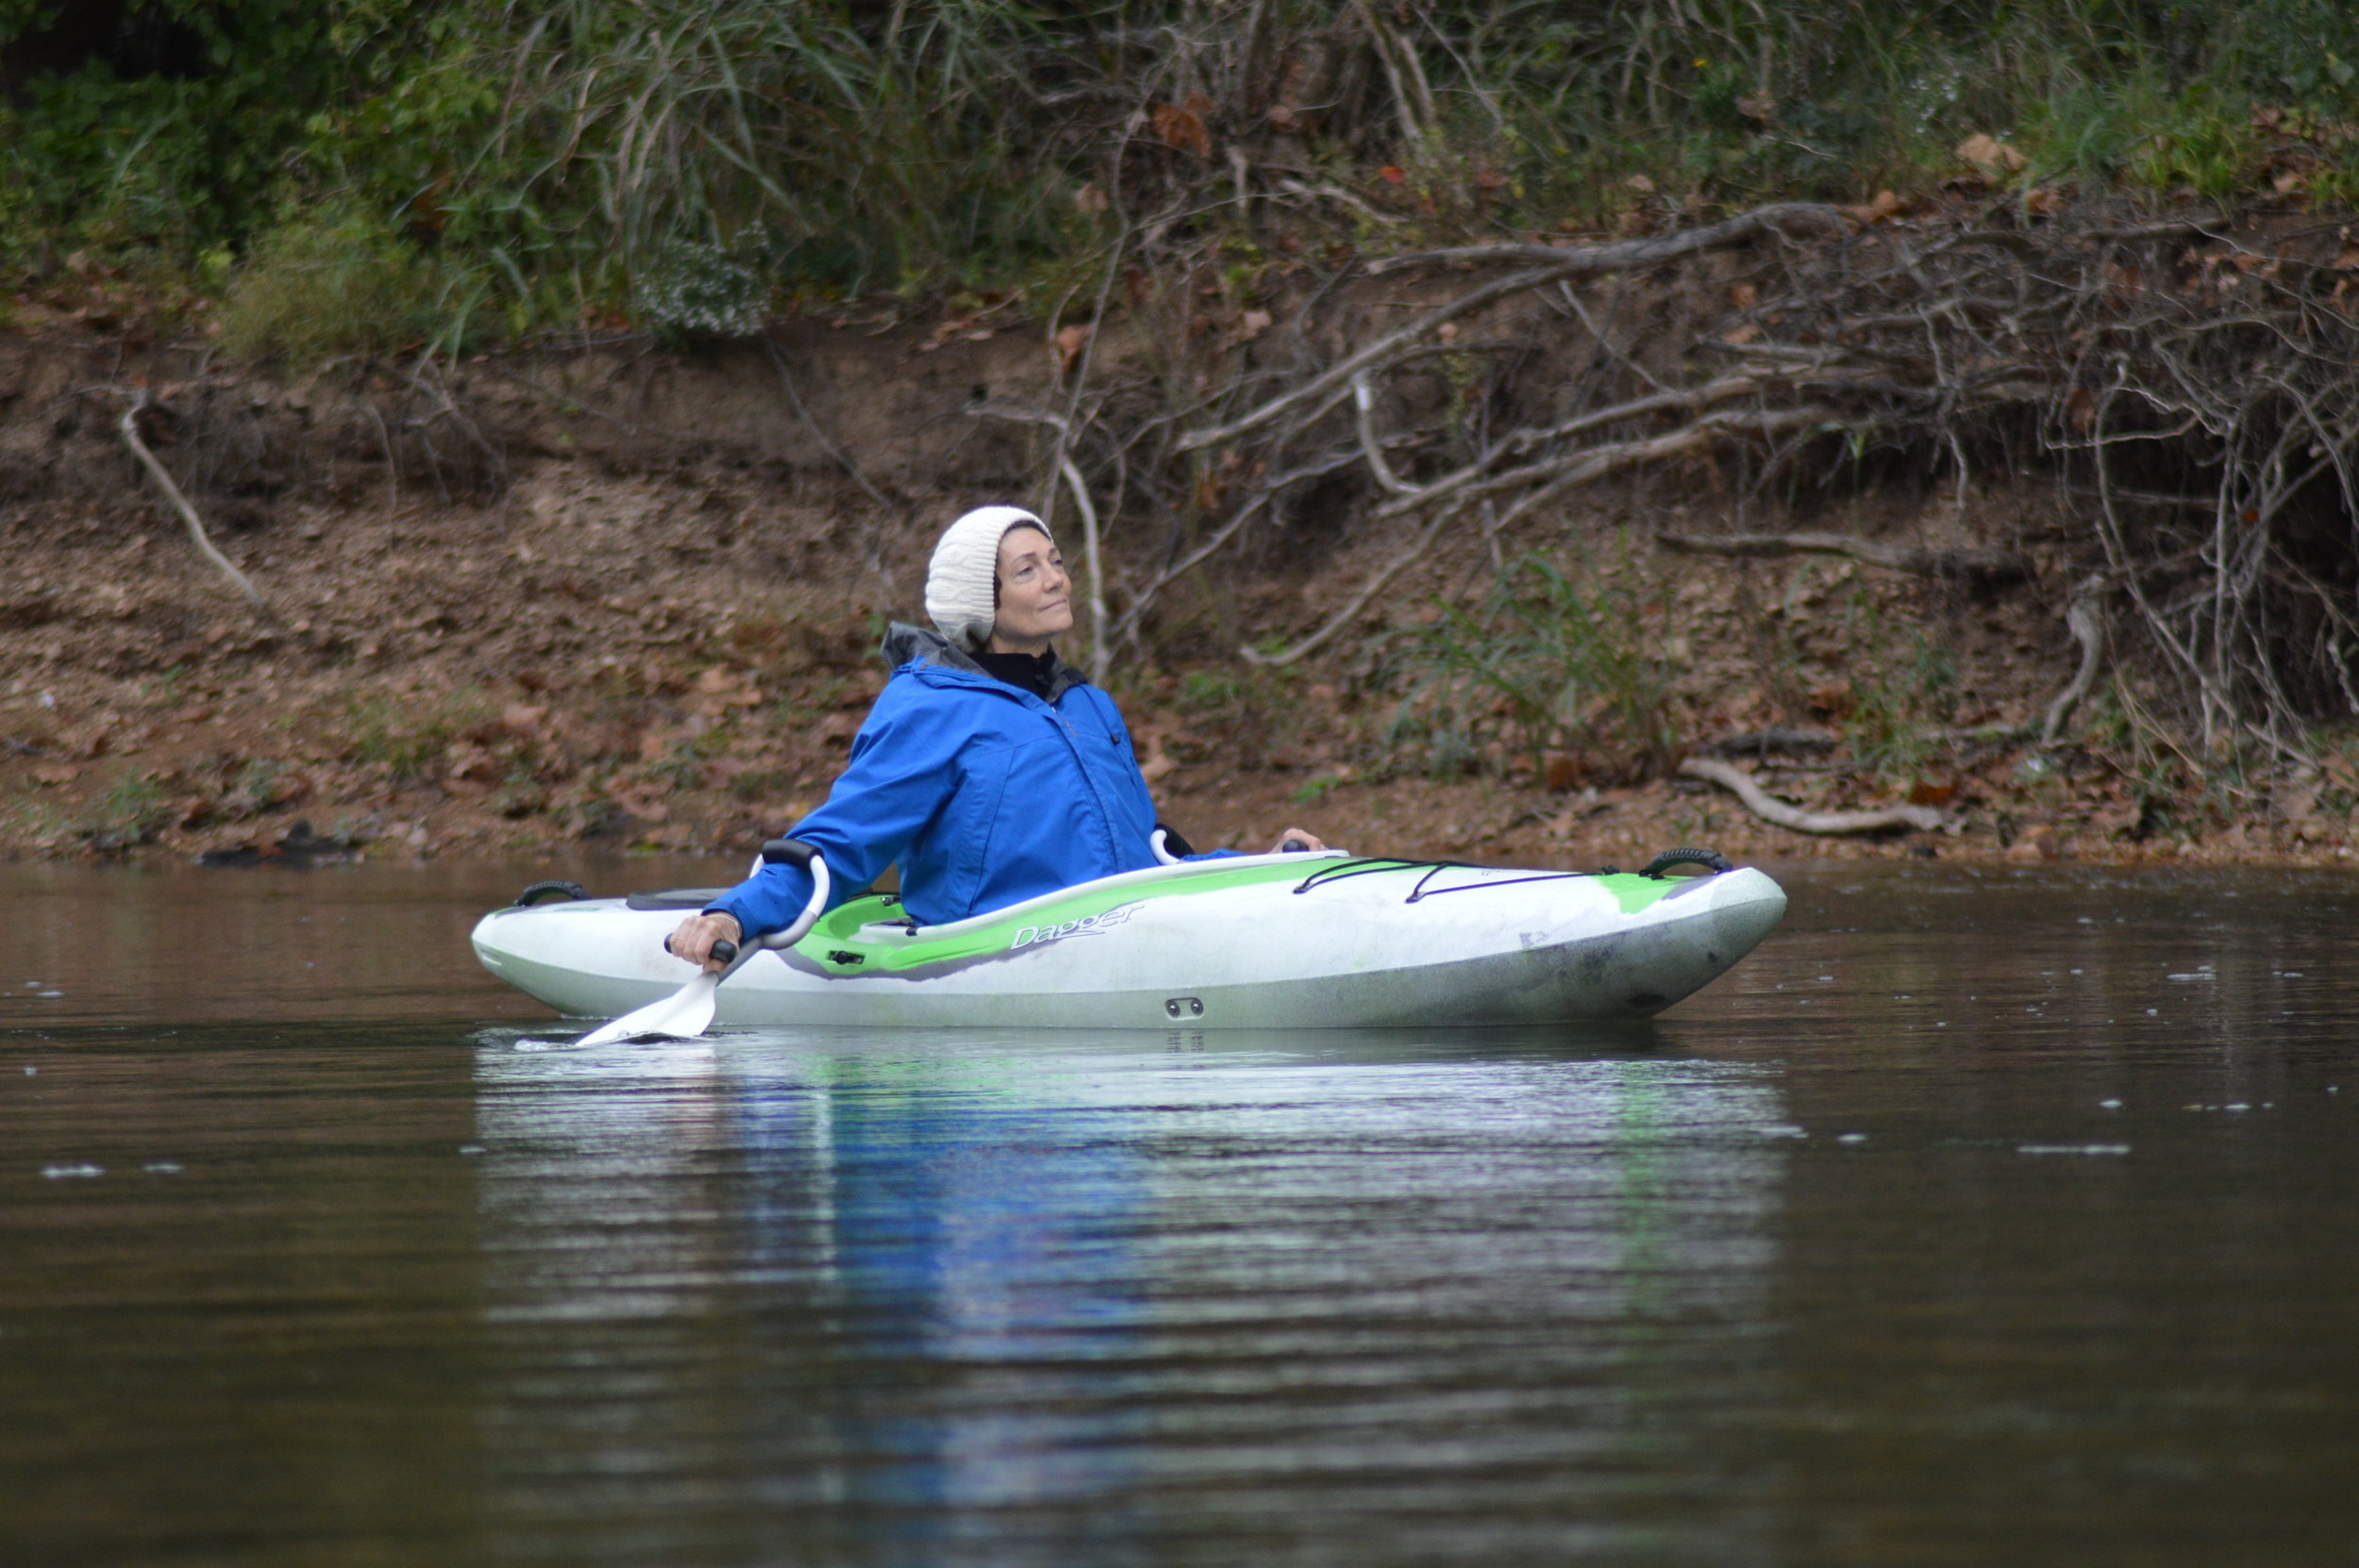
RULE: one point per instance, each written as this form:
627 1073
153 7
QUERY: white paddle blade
688 1012
683 1015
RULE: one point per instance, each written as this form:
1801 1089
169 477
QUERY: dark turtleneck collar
908 644
1033 673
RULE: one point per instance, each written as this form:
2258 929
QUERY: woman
987 768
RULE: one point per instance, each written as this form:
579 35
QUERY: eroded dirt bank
630 599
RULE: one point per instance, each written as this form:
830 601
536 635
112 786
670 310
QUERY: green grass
1901 691
130 813
409 734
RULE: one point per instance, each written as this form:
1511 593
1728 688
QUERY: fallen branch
1101 653
129 426
1363 404
1519 441
1985 566
1771 810
422 378
1333 193
1627 255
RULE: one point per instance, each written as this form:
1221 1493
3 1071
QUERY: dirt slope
627 598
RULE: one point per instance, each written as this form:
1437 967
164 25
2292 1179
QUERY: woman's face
1035 596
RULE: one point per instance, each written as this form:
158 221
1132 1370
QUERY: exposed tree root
129 426
2189 382
2085 618
1771 810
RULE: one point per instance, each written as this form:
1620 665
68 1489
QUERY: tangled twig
2185 388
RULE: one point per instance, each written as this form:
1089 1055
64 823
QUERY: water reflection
829 1293
373 1291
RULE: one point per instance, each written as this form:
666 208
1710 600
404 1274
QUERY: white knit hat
962 581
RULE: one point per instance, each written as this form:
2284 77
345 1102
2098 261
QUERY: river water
1979 1216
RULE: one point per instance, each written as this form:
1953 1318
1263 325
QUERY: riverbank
642 644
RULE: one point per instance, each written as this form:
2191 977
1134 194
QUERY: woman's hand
693 938
1303 836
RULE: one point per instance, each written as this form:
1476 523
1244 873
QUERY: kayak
1287 940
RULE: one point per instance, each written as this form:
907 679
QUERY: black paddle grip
723 951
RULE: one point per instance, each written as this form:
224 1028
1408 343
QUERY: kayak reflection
815 1291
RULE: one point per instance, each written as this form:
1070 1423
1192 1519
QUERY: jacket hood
904 644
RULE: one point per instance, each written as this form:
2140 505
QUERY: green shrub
162 165
330 284
688 163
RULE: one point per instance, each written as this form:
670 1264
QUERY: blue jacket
984 793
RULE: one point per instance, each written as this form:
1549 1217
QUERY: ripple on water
2009 1245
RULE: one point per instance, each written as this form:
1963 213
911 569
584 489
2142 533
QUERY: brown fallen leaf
1181 125
1885 204
1561 771
1990 154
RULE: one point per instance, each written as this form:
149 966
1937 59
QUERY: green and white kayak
1291 941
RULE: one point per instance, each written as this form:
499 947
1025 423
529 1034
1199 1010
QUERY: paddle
688 1012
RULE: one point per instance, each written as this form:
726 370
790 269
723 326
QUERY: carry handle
788 852
1712 860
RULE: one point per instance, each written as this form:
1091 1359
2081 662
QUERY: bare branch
1339 375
